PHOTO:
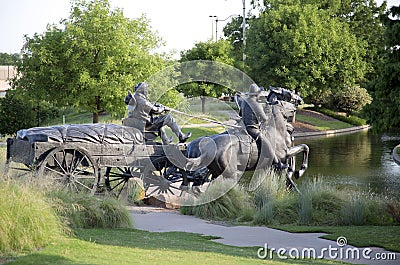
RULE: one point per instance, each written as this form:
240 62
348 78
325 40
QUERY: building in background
7 72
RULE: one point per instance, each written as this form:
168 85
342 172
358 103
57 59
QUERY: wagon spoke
80 183
73 183
72 160
77 164
153 191
64 161
83 171
173 187
116 178
171 191
58 162
119 183
55 171
123 186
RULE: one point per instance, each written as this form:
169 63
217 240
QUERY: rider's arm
259 112
156 108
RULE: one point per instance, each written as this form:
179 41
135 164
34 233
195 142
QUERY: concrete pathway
285 243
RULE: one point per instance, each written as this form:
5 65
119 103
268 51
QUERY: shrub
273 203
19 114
234 204
393 208
27 221
321 97
319 203
81 210
351 99
364 209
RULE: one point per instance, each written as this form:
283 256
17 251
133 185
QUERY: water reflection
362 160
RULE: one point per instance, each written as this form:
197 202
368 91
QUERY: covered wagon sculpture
102 158
78 157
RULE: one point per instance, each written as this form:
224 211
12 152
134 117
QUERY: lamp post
216 24
244 31
212 26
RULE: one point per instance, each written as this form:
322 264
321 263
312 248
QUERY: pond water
362 160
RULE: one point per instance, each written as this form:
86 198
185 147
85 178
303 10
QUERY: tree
383 112
363 19
90 60
351 99
17 113
8 59
219 51
303 48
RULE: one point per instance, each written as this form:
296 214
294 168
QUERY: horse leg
293 151
289 174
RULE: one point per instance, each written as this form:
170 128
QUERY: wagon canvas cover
87 133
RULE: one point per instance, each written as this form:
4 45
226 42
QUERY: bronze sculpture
146 116
237 151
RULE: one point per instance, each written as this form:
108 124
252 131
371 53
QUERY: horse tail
208 150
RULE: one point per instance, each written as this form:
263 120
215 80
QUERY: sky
180 23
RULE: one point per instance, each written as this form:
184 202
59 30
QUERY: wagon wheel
162 177
70 168
116 178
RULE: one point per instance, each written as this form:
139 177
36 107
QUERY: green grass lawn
361 236
131 246
322 124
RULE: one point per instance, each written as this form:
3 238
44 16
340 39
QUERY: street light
244 31
212 26
216 24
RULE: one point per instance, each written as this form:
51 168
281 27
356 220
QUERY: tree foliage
8 59
219 51
89 60
363 19
351 99
304 48
384 111
16 113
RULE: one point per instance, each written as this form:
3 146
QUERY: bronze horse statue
234 151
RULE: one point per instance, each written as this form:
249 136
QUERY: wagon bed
93 157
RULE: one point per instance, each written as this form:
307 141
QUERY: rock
166 201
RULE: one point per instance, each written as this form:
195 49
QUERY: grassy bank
361 236
130 246
45 227
322 125
351 119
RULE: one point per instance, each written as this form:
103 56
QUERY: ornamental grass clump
219 203
27 220
319 203
273 203
365 209
81 210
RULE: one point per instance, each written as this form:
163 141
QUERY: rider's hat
141 85
254 90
